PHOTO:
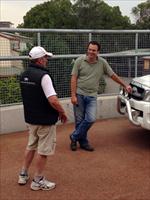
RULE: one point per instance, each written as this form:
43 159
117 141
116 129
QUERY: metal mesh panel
60 43
125 66
60 71
144 40
115 42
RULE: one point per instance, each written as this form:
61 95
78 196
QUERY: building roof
6 24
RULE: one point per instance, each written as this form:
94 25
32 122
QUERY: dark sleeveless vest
37 109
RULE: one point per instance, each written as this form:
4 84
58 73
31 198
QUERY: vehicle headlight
147 96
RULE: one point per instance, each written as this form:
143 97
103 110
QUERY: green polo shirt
89 75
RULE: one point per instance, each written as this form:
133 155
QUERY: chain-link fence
124 50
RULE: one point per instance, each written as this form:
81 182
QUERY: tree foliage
50 14
81 14
97 14
142 14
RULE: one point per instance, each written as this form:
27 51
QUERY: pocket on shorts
47 140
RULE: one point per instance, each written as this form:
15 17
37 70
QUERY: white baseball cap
38 52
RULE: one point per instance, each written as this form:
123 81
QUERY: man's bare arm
73 89
54 102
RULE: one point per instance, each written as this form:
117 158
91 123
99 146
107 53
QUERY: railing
123 49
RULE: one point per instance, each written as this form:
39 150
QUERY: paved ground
118 169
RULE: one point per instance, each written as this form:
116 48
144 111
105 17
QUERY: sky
14 10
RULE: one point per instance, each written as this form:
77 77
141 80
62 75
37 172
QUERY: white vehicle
137 104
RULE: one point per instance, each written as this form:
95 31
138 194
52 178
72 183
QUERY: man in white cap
41 111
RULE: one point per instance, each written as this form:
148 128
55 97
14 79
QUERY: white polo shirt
47 86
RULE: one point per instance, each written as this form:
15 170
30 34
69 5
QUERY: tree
81 14
142 14
50 14
96 14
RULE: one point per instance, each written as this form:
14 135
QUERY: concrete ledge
12 117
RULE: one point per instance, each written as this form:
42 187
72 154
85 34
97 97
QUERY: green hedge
10 90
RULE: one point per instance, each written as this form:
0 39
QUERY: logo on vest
26 79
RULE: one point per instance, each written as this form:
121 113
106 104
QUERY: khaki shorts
42 138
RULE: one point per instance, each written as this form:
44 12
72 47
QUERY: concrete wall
12 117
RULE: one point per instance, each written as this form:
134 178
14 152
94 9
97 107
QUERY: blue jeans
85 116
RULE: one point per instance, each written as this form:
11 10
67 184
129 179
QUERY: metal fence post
90 37
136 51
39 39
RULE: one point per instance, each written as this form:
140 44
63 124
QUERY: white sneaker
42 185
23 179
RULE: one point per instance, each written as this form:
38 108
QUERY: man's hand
128 89
63 117
74 100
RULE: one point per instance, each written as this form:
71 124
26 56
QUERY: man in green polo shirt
86 74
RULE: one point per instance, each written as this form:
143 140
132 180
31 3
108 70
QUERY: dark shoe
87 148
73 145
